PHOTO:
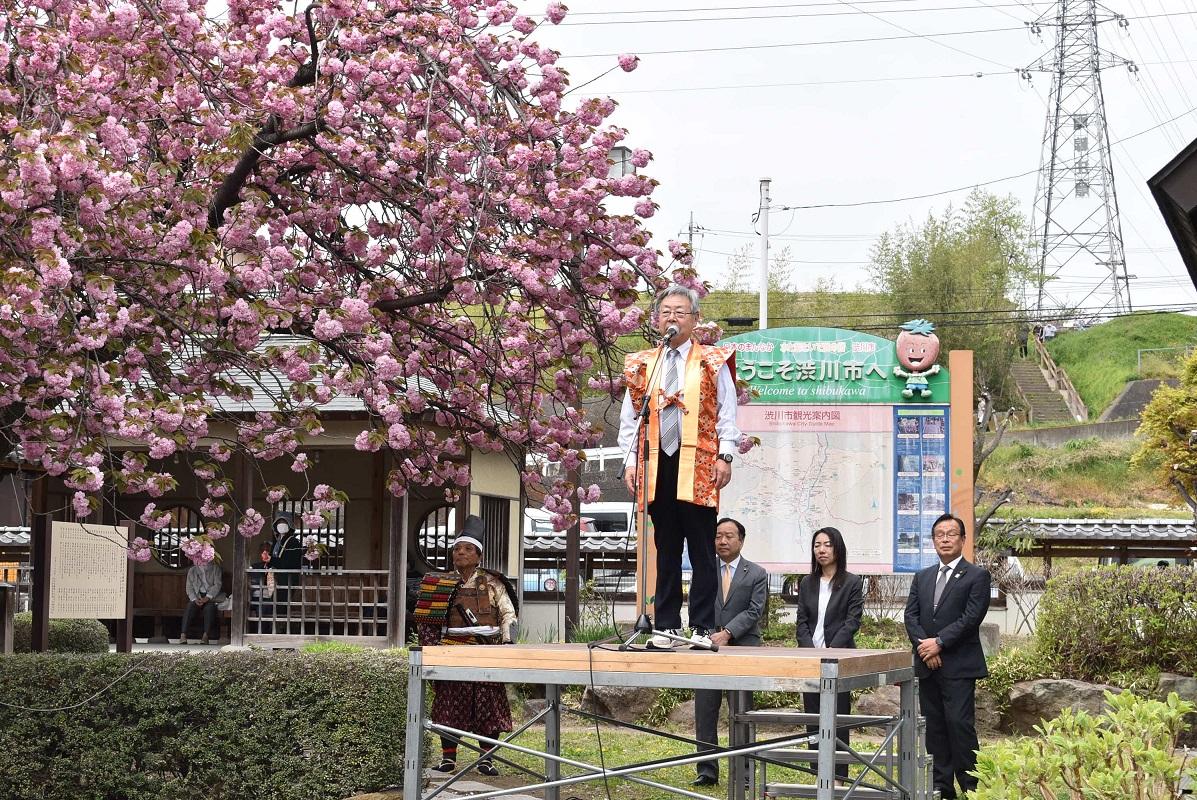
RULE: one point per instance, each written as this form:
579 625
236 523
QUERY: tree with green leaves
1168 431
962 270
742 264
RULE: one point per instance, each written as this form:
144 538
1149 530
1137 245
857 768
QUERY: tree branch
268 136
1001 500
1184 493
413 300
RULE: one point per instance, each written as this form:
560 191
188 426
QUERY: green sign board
829 365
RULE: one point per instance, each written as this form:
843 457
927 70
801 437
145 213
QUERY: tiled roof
14 536
1097 530
590 543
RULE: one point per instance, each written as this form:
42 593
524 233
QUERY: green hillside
1100 360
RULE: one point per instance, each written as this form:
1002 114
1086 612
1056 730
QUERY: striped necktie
671 431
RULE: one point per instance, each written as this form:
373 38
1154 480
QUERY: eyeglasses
944 536
669 313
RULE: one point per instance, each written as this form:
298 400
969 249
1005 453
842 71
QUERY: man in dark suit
742 594
947 603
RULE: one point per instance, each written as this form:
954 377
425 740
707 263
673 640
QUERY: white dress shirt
725 424
735 565
824 600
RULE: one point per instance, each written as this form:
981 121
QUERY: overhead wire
698 9
934 41
817 14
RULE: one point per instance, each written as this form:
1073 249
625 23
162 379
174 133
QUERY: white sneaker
659 642
700 641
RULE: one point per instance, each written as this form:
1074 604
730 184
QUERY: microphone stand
639 446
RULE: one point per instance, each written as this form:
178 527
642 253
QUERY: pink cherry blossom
139 550
419 231
629 62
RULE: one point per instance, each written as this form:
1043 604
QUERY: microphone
670 332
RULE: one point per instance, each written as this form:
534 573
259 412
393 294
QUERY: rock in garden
1186 687
884 701
989 719
624 703
1031 702
682 714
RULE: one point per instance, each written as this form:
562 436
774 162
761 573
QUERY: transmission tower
1078 236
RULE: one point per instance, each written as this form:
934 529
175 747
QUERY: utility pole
1075 221
764 220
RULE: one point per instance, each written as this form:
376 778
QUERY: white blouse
824 599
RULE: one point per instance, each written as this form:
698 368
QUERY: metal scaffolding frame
898 769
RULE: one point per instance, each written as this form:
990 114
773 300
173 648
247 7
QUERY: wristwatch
726 457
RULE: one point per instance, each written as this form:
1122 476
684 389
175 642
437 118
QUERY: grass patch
1085 478
1100 360
627 747
1090 512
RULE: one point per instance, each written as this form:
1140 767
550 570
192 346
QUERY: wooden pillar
8 605
397 571
239 591
573 558
963 428
378 507
124 627
40 588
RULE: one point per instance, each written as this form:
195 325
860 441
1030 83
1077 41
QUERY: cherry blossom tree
389 200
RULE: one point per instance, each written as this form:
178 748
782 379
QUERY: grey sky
795 117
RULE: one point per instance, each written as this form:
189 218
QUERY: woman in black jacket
830 604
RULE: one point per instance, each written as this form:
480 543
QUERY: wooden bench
163 595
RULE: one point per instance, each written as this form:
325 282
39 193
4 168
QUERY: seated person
203 592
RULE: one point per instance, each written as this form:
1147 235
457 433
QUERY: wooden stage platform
739 670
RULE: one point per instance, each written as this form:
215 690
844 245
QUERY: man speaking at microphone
691 436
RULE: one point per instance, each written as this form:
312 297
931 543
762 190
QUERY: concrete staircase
1046 404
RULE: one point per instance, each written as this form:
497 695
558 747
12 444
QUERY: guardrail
1058 380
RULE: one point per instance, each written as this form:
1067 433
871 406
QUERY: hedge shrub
1108 620
66 635
227 726
1130 751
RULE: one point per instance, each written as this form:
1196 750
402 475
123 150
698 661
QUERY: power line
843 81
913 196
971 185
746 17
863 40
693 10
735 48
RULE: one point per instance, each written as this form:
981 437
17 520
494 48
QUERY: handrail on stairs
1058 380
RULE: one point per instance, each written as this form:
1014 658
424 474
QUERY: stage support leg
910 773
552 739
413 755
739 733
828 684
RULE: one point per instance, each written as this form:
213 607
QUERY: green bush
1099 622
773 627
1130 751
334 647
1010 666
66 635
225 726
882 633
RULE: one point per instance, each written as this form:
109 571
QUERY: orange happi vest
700 407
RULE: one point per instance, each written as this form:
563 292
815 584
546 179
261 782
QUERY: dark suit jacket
957 620
749 592
841 621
